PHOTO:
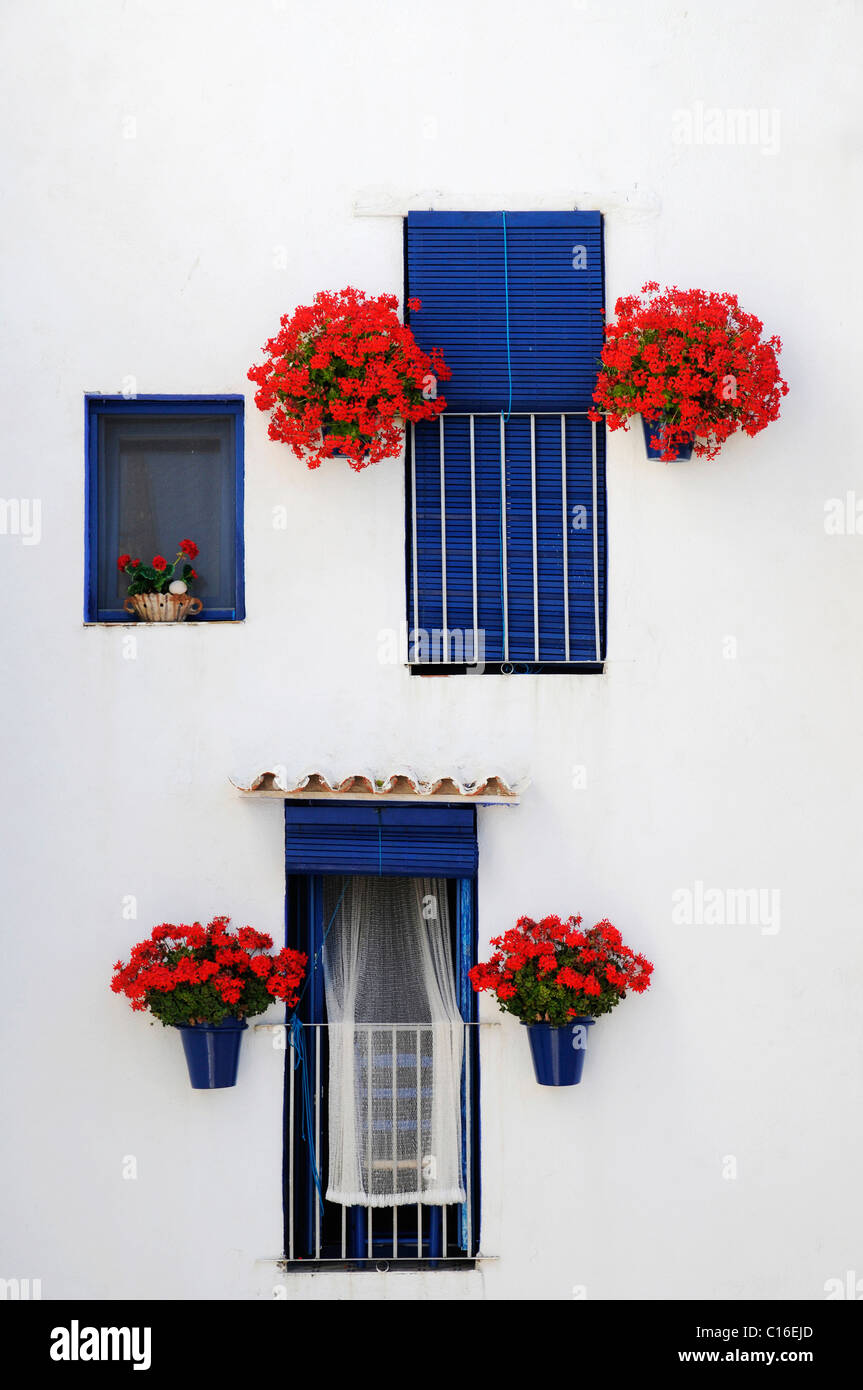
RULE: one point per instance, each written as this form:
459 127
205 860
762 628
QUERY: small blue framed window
506 501
160 469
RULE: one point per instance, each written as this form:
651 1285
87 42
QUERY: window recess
506 526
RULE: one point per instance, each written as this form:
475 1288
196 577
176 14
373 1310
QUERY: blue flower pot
656 429
213 1052
558 1053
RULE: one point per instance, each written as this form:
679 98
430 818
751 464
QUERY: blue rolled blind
357 838
542 604
554 276
160 468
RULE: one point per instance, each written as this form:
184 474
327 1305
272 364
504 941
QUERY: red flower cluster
552 970
191 974
343 375
189 548
693 360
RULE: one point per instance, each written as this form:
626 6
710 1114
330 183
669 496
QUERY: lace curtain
396 1043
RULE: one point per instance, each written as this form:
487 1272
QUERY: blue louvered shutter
539 499
357 838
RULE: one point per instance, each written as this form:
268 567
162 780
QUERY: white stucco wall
179 174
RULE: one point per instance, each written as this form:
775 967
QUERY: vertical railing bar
444 1237
419 1152
565 534
468 1127
414 535
291 1154
533 520
473 540
369 1193
503 538
317 1135
595 544
395 1147
344 1232
443 538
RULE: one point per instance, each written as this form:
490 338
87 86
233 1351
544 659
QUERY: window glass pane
161 479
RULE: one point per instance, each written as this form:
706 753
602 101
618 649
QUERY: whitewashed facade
178 175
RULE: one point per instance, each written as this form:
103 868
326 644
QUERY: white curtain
396 1042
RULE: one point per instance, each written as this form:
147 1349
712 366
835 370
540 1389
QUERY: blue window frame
158 469
425 841
506 511
435 841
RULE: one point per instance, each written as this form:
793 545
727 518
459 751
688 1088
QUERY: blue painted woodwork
305 930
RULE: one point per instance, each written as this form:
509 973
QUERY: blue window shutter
517 519
357 838
554 273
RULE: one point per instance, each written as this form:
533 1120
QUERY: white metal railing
533 416
383 1221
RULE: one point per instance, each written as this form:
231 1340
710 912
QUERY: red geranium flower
189 548
159 562
123 561
692 360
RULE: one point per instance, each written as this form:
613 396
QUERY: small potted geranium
157 594
558 979
206 981
693 365
342 377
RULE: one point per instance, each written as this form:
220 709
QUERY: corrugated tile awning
402 784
